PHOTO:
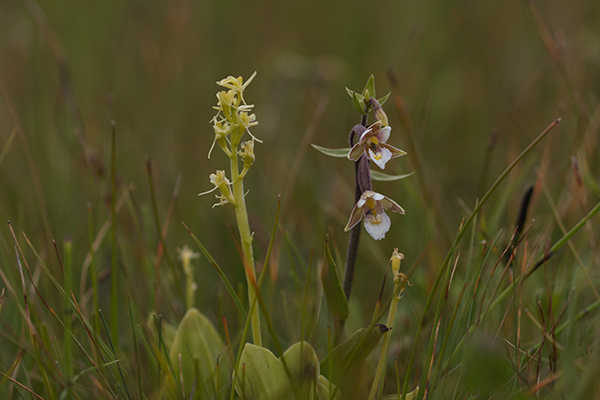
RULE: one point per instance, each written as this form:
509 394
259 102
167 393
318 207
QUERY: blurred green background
467 71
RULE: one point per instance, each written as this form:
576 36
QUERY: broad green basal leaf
199 345
380 176
327 390
261 375
303 366
339 153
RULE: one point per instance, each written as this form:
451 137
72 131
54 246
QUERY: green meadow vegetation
406 199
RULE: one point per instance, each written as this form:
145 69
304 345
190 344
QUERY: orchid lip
371 208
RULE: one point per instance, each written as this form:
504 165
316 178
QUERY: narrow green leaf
382 100
332 286
168 333
380 176
350 92
338 153
222 275
358 103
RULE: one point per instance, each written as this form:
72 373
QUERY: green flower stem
241 216
380 373
190 295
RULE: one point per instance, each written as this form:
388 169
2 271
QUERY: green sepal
336 299
338 153
369 90
380 176
350 92
359 104
261 375
382 100
199 344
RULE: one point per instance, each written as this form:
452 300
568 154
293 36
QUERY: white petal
386 156
384 134
378 230
366 135
377 196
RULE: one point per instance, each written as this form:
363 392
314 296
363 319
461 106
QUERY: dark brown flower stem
362 183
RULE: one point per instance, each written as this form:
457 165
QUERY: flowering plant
368 143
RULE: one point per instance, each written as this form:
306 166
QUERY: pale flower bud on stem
186 255
400 281
378 112
247 155
396 260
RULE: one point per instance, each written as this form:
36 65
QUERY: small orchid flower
373 143
186 255
226 101
247 154
222 130
246 121
221 183
372 206
236 83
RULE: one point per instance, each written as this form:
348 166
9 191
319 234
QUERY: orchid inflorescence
232 120
369 143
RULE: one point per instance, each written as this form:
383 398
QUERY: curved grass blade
336 299
459 235
212 261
